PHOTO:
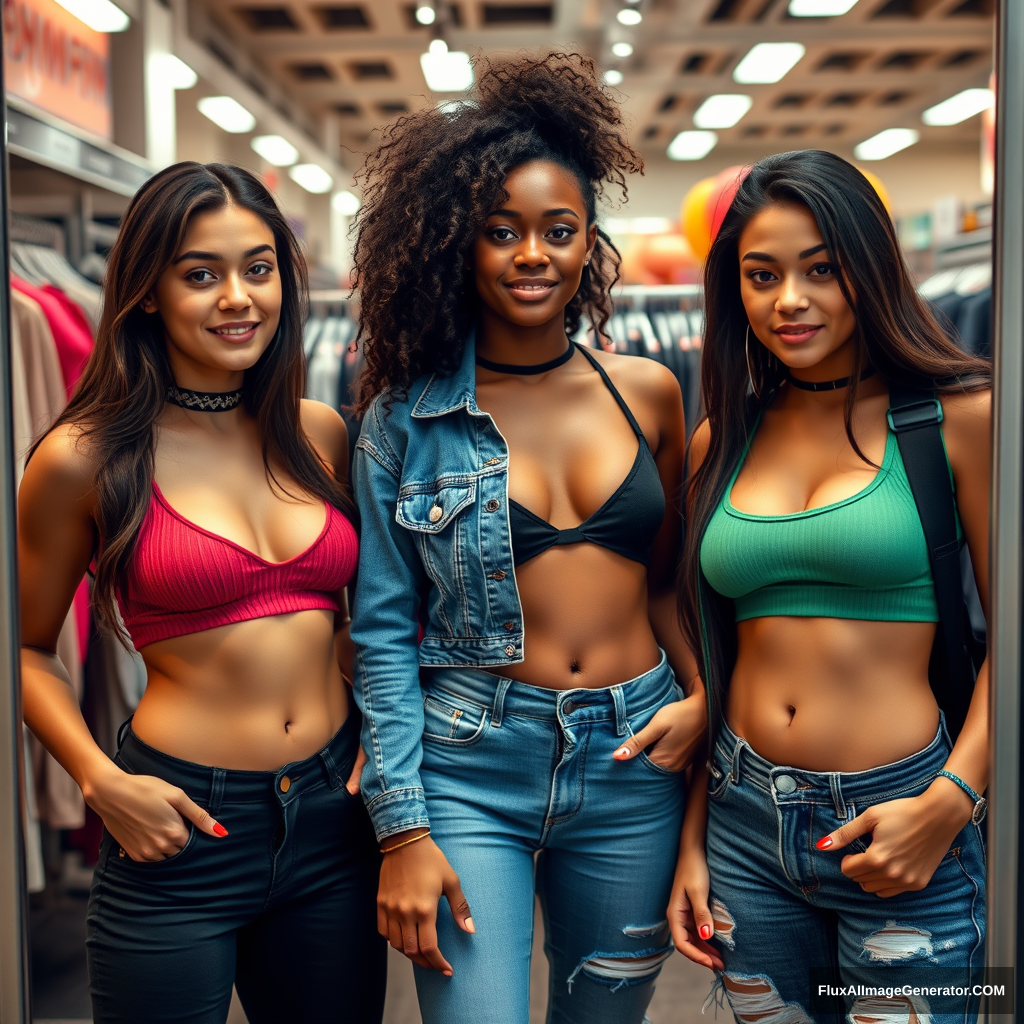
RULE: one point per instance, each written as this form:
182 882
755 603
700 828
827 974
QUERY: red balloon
727 184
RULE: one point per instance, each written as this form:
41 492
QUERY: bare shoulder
65 458
700 441
326 429
967 423
641 378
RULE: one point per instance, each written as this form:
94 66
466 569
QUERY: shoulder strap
914 416
615 393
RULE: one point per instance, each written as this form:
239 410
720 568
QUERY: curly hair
433 179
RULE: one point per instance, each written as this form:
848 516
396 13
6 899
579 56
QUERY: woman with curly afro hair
517 492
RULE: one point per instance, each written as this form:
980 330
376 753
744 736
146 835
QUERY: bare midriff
585 617
833 694
250 696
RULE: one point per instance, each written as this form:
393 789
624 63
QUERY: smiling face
791 294
528 257
220 299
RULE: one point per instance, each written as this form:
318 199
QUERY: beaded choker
204 401
827 385
527 371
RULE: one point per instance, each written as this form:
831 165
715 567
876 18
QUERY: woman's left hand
673 735
909 838
357 772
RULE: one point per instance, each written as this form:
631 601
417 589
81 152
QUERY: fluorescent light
629 16
275 149
613 76
99 15
820 8
312 177
722 110
227 113
176 71
425 14
692 145
768 62
622 49
345 203
446 70
884 144
959 107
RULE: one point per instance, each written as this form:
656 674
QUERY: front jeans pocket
117 855
452 720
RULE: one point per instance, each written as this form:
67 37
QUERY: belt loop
619 700
123 730
333 775
737 754
836 787
216 791
498 707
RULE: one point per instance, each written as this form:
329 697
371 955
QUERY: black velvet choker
204 401
527 371
827 385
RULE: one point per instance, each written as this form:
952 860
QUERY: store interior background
320 77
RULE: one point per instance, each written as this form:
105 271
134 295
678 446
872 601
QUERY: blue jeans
284 906
516 775
786 917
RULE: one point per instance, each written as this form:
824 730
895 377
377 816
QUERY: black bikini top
626 523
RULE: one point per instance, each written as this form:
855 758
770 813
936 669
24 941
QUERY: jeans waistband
215 786
511 697
740 760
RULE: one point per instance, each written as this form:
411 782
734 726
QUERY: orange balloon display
668 257
693 217
880 189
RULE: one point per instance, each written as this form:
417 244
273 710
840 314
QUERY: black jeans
284 906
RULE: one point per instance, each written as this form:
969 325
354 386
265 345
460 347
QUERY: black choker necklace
204 401
527 371
827 385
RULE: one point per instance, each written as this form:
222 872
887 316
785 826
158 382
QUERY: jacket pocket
431 507
452 720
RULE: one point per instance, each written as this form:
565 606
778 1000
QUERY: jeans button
568 707
286 784
785 783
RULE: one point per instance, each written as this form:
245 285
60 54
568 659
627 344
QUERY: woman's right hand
412 881
146 816
688 914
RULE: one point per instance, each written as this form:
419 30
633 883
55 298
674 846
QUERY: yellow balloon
880 189
694 219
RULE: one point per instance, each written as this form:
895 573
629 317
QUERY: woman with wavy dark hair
518 496
210 497
839 841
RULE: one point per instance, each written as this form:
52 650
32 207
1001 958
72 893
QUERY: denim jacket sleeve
385 629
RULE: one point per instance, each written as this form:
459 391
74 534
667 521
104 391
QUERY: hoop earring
750 372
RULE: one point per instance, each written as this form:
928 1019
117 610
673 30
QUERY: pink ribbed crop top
184 579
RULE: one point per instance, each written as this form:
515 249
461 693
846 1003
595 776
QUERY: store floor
61 996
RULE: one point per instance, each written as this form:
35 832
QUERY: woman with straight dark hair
209 497
837 840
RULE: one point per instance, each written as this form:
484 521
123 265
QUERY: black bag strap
914 416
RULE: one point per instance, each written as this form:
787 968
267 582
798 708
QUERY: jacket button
510 650
493 505
509 625
498 574
435 513
492 462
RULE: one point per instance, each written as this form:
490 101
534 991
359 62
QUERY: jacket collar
446 393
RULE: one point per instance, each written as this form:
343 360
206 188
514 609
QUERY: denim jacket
431 483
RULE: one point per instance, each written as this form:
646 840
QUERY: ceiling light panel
885 144
275 149
959 107
692 145
613 76
99 15
446 70
722 110
175 71
768 62
346 203
622 49
312 177
629 16
227 113
820 8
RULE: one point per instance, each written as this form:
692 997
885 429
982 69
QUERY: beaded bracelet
406 842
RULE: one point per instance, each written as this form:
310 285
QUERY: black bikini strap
615 394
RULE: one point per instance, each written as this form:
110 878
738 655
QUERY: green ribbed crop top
864 557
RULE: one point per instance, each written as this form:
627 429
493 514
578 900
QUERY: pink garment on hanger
70 328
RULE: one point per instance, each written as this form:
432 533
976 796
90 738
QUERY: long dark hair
436 175
895 333
124 385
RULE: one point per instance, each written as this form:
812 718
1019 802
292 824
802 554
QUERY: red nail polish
705 931
824 844
219 829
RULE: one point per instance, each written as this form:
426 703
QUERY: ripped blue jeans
523 792
786 917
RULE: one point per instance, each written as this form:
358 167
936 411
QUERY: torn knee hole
725 925
755 1000
882 1010
897 942
626 968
